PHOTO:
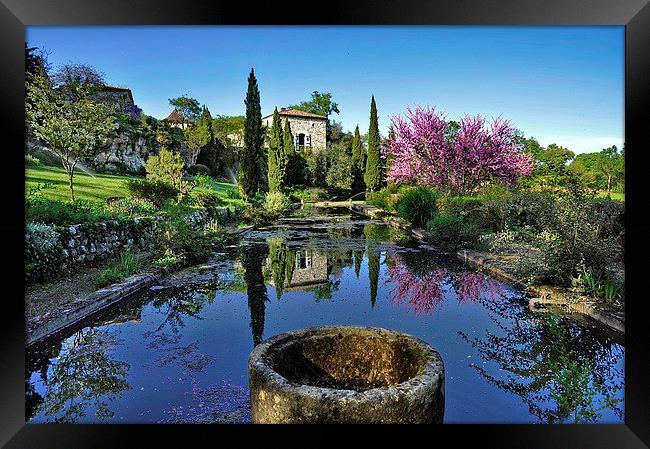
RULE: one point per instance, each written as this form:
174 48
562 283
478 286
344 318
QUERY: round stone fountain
346 374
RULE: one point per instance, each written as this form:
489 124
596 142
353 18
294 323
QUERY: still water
178 353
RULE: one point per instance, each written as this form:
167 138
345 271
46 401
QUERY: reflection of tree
252 259
422 285
358 259
324 291
84 374
373 272
561 371
423 292
283 262
181 302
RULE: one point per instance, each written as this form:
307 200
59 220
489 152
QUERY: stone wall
310 127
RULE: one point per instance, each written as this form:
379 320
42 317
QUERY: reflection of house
310 270
309 130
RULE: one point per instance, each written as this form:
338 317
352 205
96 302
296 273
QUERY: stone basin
346 374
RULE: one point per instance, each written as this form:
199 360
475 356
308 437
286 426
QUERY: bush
179 239
256 215
378 199
31 161
307 194
207 200
417 205
198 169
156 192
277 203
124 266
132 207
233 194
44 256
65 213
452 230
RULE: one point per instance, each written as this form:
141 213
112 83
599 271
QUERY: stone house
309 130
121 97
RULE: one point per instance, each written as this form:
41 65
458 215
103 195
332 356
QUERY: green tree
339 172
252 259
277 160
199 136
249 172
188 108
358 162
68 122
373 176
611 165
320 103
167 167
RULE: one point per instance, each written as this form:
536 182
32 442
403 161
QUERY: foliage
199 136
373 176
132 207
157 192
166 261
282 261
452 230
604 170
417 205
307 194
317 166
423 152
198 169
31 161
358 162
167 168
249 173
339 173
178 238
604 287
296 165
207 200
68 121
320 103
65 213
43 252
277 159
277 203
187 107
122 267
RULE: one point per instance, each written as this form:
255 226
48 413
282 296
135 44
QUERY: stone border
543 294
96 302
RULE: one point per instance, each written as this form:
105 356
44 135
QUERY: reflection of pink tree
470 286
423 293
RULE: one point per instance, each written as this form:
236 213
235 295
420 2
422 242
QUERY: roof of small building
174 117
297 113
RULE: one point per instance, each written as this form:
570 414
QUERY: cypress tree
249 172
276 161
295 161
252 260
373 176
358 162
358 258
373 273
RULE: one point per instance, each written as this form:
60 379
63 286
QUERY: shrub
452 230
179 239
277 203
198 169
378 199
44 256
65 213
156 192
307 194
233 194
207 200
256 215
31 161
132 207
167 167
417 205
124 266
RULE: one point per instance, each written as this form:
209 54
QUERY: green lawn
86 187
615 196
97 187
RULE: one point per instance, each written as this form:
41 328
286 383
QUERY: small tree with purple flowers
425 151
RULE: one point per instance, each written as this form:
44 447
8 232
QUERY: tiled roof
297 113
174 117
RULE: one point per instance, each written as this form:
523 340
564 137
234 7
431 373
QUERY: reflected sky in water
178 352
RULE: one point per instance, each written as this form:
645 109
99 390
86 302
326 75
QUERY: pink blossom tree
423 151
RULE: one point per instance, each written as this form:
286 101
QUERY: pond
178 352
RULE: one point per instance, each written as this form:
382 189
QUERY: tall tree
252 260
295 161
249 172
358 162
277 161
68 122
611 165
373 176
373 272
188 108
320 103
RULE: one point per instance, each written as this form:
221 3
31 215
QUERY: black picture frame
15 15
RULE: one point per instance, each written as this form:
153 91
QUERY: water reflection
252 259
84 377
562 371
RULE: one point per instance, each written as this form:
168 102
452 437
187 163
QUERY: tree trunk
70 175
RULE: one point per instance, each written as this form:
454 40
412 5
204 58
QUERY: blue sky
558 84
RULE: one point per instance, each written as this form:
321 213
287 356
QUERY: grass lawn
98 187
615 196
